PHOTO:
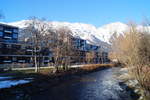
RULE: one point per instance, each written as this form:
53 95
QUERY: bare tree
36 29
90 56
133 50
63 50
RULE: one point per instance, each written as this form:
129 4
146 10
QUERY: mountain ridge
93 35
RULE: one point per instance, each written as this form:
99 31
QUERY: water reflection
95 86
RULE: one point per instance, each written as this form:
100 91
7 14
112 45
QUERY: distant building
14 51
83 47
8 33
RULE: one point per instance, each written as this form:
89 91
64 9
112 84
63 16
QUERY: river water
100 85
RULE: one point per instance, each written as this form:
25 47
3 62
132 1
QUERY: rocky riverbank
131 82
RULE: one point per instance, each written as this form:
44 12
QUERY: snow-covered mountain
100 36
93 35
108 30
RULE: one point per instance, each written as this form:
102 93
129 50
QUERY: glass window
1 28
1 45
8 46
15 36
1 33
15 30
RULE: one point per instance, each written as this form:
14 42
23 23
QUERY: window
1 28
15 36
1 33
15 30
1 45
8 46
7 36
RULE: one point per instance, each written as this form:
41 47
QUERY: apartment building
83 48
14 51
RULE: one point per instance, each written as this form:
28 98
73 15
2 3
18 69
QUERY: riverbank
45 80
132 83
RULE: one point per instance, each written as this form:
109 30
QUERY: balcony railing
7 61
7 31
7 37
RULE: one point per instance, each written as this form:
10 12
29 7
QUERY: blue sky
96 12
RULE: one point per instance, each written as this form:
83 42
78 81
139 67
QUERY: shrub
133 50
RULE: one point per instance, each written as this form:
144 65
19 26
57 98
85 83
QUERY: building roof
5 24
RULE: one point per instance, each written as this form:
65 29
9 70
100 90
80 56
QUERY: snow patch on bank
4 78
10 83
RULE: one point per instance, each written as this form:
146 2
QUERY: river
100 85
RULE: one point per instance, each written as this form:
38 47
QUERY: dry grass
49 71
91 67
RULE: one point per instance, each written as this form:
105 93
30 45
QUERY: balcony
46 61
7 61
7 31
21 61
29 50
7 37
